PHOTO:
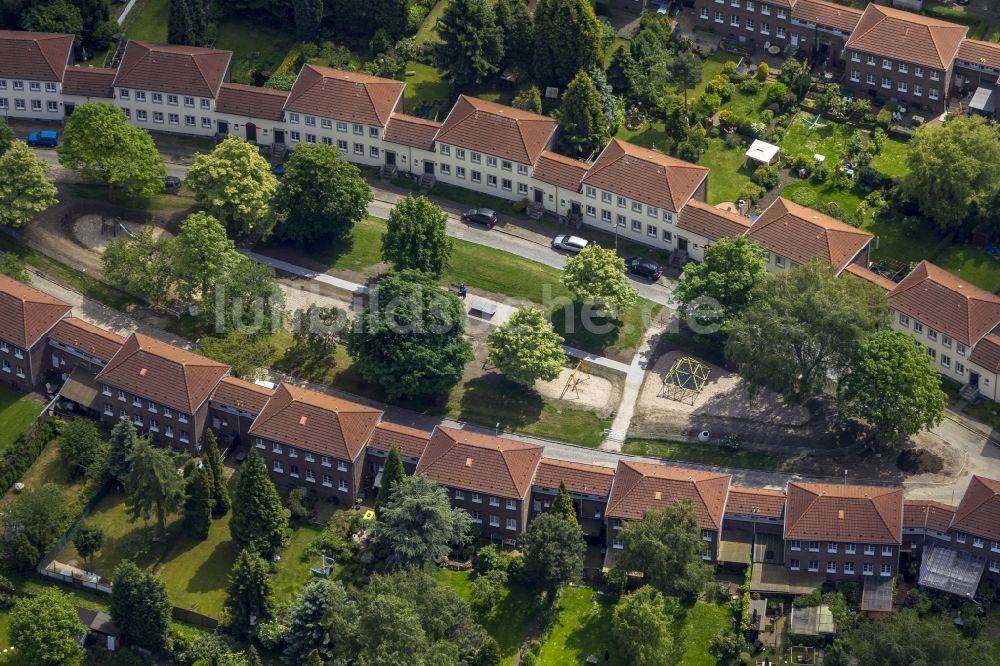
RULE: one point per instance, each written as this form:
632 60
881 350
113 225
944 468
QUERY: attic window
302 420
658 495
468 462
142 373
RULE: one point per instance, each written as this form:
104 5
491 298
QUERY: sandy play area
96 231
590 392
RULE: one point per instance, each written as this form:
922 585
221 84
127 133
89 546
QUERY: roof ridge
788 498
627 491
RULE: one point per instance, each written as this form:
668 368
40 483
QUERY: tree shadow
493 399
214 569
590 333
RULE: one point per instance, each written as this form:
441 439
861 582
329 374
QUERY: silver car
569 243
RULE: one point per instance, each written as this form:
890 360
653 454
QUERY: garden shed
761 152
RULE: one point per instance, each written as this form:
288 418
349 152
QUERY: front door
429 167
974 379
69 108
539 196
390 158
223 127
251 130
574 208
279 136
795 41
682 243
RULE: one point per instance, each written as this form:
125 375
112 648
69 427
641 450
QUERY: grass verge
705 454
580 629
292 571
16 414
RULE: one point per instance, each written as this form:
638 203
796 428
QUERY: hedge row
25 451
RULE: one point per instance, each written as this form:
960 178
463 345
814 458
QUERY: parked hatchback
569 243
646 268
483 216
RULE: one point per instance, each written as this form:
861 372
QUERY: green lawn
973 264
16 414
807 193
828 138
148 21
580 629
705 454
255 47
292 571
694 634
162 201
196 573
508 621
427 84
49 468
892 160
727 175
428 29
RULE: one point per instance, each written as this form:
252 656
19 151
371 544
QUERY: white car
569 243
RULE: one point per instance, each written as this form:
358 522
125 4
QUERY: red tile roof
923 514
86 338
316 422
498 130
912 38
561 171
944 302
241 394
241 100
185 70
349 96
578 477
163 373
710 222
803 234
410 442
34 56
756 502
641 487
90 82
986 353
830 512
480 463
411 131
979 511
645 175
26 313
869 276
829 14
979 53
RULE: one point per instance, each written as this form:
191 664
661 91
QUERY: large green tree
99 142
179 26
891 384
820 320
259 521
249 602
392 16
392 473
140 607
719 288
213 462
26 189
152 485
685 71
6 136
471 45
46 631
640 624
416 237
13 266
142 264
598 276
234 182
36 518
321 196
583 125
321 606
58 16
88 539
247 298
410 339
418 525
526 347
553 550
903 639
666 547
202 255
308 18
562 505
123 441
954 169
518 29
81 446
198 504
568 38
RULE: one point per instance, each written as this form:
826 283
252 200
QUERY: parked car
278 170
171 184
646 268
483 216
569 243
46 138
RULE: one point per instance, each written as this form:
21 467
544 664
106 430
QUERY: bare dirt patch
587 391
919 461
95 231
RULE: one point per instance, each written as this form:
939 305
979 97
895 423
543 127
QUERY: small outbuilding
100 627
761 152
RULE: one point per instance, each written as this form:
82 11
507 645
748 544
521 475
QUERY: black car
483 216
171 183
646 268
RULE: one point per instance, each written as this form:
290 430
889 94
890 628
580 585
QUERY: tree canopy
598 275
822 320
416 237
88 539
559 24
517 27
202 253
81 446
37 516
392 474
249 602
903 639
553 550
583 125
198 504
123 441
526 347
666 546
45 629
99 142
562 505
410 339
213 462
640 624
234 182
472 45
954 169
718 289
140 607
142 265
891 384
152 485
6 136
26 189
259 521
321 196
417 524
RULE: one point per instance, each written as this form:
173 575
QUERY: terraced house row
880 52
794 538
